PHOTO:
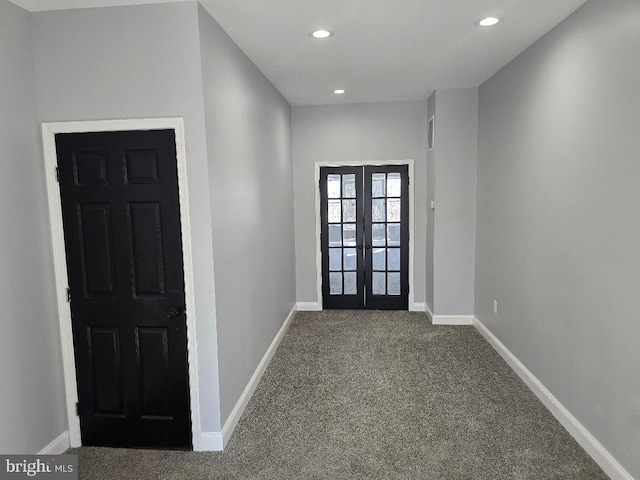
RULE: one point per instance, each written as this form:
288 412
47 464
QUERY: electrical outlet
495 306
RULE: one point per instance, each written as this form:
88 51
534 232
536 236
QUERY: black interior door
364 218
342 237
386 221
119 193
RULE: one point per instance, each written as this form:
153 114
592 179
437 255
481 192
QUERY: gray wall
139 62
376 131
32 403
454 156
557 223
248 128
431 188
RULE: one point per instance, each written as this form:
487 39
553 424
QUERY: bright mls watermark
52 467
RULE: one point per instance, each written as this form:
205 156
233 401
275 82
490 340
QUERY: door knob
174 312
359 247
368 247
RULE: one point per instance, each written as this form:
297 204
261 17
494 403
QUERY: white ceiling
382 50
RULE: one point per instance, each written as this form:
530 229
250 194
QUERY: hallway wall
32 402
452 186
557 222
119 62
431 190
248 129
376 131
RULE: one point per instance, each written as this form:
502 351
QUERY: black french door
364 217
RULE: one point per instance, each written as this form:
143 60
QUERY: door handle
368 247
359 247
174 312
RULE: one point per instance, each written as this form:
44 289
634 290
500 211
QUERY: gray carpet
375 395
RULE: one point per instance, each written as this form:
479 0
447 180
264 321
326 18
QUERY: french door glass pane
378 261
394 186
348 211
378 287
377 210
349 186
393 259
333 186
378 235
335 236
350 259
350 283
393 283
349 234
335 283
378 185
335 259
393 210
334 211
393 234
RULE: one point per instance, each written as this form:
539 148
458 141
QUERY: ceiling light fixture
339 91
488 22
321 34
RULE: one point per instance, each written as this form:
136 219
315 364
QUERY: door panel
152 355
106 370
145 232
96 249
386 220
342 237
121 216
365 237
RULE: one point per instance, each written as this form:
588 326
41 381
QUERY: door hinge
68 295
57 175
77 409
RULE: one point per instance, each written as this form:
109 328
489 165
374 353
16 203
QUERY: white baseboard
309 307
58 446
316 307
587 441
418 307
429 312
452 319
236 413
211 442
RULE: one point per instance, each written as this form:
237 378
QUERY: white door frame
364 163
49 130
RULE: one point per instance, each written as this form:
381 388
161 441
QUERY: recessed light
339 91
321 34
488 22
